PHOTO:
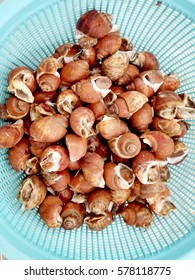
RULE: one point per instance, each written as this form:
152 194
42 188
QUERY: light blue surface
13 241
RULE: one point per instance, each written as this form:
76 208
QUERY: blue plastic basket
30 31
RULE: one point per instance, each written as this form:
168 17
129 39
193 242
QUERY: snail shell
115 65
136 214
11 134
134 101
79 184
187 109
162 205
92 166
145 60
19 154
66 101
16 108
81 121
120 196
94 24
58 181
131 72
32 192
98 222
141 119
54 158
108 45
76 145
148 82
22 83
49 128
118 176
110 127
32 166
67 52
181 150
74 71
73 215
99 200
146 168
166 103
172 127
50 210
161 144
126 145
47 75
171 82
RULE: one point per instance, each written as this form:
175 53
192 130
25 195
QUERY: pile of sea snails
94 129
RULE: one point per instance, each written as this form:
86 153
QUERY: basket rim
14 247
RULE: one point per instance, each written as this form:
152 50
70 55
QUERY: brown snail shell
148 82
126 44
67 52
41 96
131 72
19 154
141 119
54 158
49 128
32 192
86 92
11 134
66 101
98 108
58 181
145 60
118 176
99 222
15 108
47 74
92 166
187 109
127 145
181 150
93 143
94 24
108 45
120 196
22 83
66 194
88 54
119 108
134 101
171 82
172 127
81 121
50 210
37 147
74 71
146 168
110 127
79 184
166 103
115 65
161 144
99 200
32 166
136 214
76 145
73 215
41 109
149 191
162 205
